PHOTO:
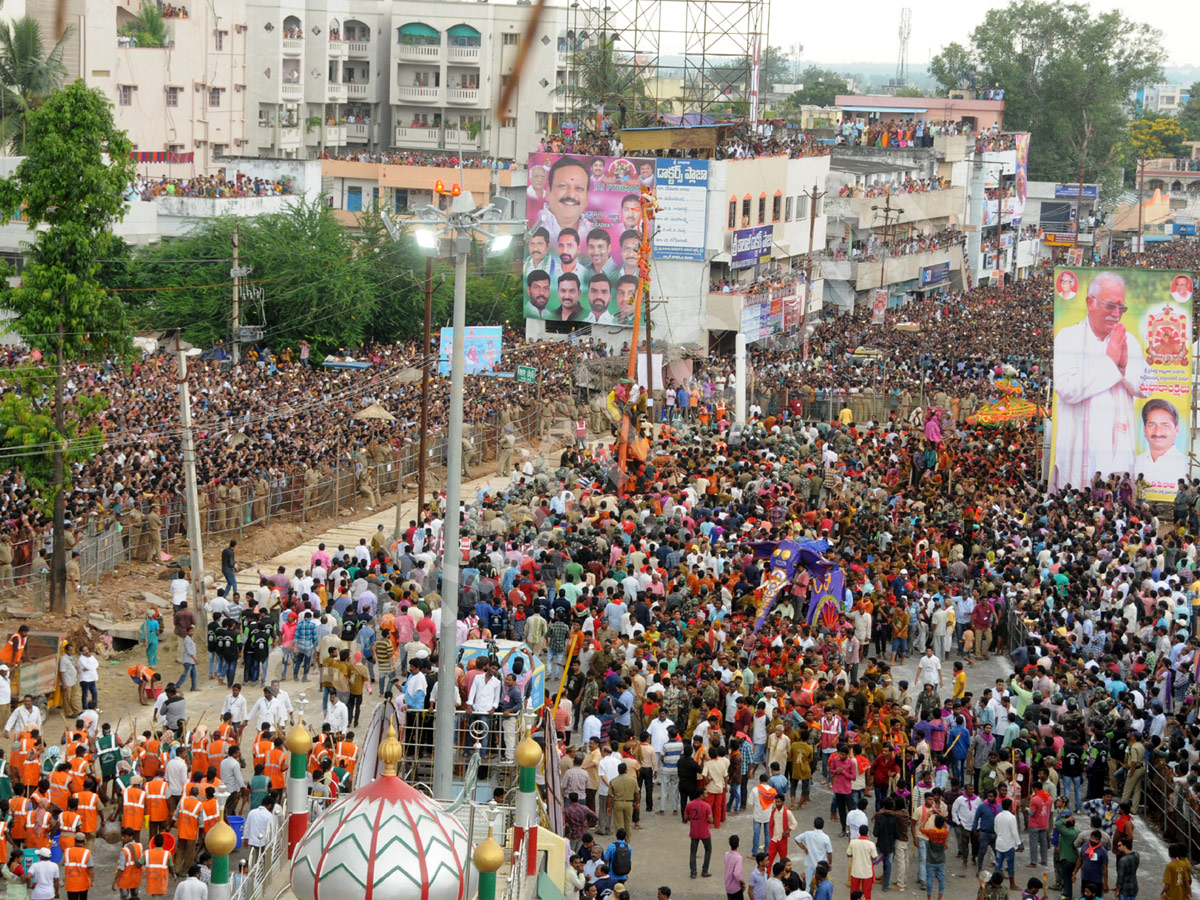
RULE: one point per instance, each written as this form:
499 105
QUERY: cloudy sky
871 33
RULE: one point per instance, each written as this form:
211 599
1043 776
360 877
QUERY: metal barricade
265 862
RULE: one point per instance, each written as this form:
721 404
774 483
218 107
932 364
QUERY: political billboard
751 246
482 348
932 276
1122 377
583 217
879 304
681 188
1021 179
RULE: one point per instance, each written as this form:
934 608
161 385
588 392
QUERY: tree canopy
1066 74
821 87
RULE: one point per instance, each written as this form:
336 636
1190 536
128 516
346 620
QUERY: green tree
910 91
70 185
1156 136
28 76
821 87
313 274
396 273
605 74
954 67
1190 114
1066 75
148 28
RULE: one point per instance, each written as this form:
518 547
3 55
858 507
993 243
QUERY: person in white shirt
5 687
260 713
608 770
235 705
484 697
24 718
929 669
337 716
176 774
1162 463
43 877
181 589
261 824
1008 840
658 728
192 888
89 676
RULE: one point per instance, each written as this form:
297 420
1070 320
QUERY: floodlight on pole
426 239
500 243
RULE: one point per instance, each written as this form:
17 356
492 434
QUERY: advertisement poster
582 238
879 301
481 352
751 246
932 276
681 186
1122 377
1021 181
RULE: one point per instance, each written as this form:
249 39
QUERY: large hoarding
1122 377
1021 179
751 246
681 186
482 348
581 246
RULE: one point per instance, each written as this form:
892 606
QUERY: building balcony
419 52
462 95
335 135
358 49
357 89
358 133
289 136
464 55
293 47
334 92
337 48
414 94
410 136
292 91
457 138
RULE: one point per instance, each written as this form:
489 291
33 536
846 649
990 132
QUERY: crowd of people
900 245
881 188
209 186
431 158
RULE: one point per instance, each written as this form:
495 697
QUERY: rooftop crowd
419 158
209 186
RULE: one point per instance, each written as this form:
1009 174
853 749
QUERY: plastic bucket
56 853
237 823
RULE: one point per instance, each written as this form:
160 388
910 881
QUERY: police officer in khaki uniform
6 561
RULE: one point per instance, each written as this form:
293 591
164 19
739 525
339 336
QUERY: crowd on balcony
170 11
876 248
293 34
1180 165
879 188
416 158
775 280
210 187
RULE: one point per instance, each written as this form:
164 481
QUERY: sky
872 33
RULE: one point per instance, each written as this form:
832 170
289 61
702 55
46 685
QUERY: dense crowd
901 246
880 188
432 158
209 186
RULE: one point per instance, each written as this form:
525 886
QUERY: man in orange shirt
78 871
133 809
156 806
158 868
188 816
89 811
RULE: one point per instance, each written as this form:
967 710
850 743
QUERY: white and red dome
385 841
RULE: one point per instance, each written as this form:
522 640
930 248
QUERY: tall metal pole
236 316
422 463
813 197
1079 210
1141 238
195 548
443 727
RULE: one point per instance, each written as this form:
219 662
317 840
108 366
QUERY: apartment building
340 76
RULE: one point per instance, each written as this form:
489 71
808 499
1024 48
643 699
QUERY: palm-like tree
147 27
28 75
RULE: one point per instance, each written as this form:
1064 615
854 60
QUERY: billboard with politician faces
584 216
1122 377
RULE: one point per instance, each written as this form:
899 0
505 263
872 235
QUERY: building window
173 96
214 97
746 211
776 207
220 149
733 213
219 39
125 94
174 148
511 40
762 209
508 122
802 207
787 210
354 199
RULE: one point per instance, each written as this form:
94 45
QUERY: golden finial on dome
529 753
489 856
221 839
298 740
391 751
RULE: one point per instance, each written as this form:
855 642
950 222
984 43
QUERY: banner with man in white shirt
1122 377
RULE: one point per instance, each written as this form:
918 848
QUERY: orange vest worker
157 871
71 829
130 877
77 867
60 789
133 808
276 763
190 812
156 801
89 811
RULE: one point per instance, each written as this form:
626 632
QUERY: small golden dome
221 840
299 740
489 856
391 752
529 753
